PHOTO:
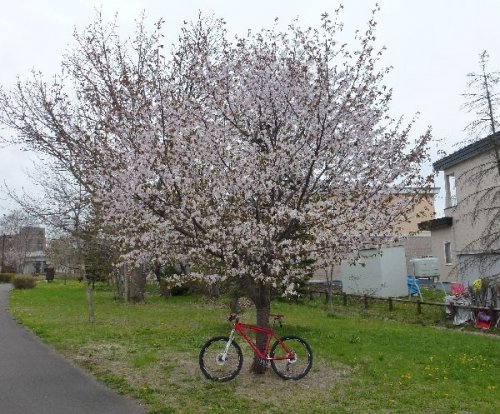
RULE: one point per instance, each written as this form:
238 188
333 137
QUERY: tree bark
330 298
88 290
118 278
136 285
329 291
88 294
262 300
90 302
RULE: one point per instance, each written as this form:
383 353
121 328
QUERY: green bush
24 282
7 268
6 277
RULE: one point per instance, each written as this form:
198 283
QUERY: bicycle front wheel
218 365
295 365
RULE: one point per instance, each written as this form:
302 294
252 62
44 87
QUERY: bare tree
62 254
63 207
68 210
483 99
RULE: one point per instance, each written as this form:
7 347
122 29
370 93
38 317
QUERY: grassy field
364 361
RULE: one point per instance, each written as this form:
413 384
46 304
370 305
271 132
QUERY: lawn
363 362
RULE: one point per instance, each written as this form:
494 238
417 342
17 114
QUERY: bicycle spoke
291 366
217 365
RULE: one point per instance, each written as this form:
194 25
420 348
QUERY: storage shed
378 272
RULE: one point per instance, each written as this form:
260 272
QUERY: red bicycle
221 357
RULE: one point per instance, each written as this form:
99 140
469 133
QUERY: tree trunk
262 300
90 302
88 295
234 305
118 283
125 273
330 298
136 285
329 292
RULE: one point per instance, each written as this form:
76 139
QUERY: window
447 253
451 191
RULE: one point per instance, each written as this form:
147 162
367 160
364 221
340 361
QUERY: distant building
25 252
35 259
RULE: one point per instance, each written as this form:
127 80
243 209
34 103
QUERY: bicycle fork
228 344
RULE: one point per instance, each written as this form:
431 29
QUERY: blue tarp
413 286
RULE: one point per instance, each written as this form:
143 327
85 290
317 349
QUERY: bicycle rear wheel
295 367
215 365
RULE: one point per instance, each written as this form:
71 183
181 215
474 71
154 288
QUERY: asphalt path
35 380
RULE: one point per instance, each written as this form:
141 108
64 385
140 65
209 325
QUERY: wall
376 274
439 237
417 246
423 211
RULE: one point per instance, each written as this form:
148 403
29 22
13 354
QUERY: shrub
24 282
168 289
7 268
6 277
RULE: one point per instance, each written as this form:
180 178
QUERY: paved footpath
35 380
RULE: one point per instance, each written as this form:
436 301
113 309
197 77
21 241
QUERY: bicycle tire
211 364
292 369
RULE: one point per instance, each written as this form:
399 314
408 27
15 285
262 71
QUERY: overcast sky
432 45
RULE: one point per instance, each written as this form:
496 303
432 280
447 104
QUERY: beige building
465 240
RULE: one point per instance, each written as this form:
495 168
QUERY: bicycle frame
243 328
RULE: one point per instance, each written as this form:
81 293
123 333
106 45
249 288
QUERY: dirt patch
269 388
174 374
166 370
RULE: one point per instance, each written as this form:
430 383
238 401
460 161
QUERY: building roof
435 223
476 148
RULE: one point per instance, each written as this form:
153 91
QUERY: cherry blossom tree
254 158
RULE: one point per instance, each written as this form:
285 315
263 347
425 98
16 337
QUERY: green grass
365 360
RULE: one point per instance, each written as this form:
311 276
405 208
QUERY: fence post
365 300
344 299
391 304
419 306
494 316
